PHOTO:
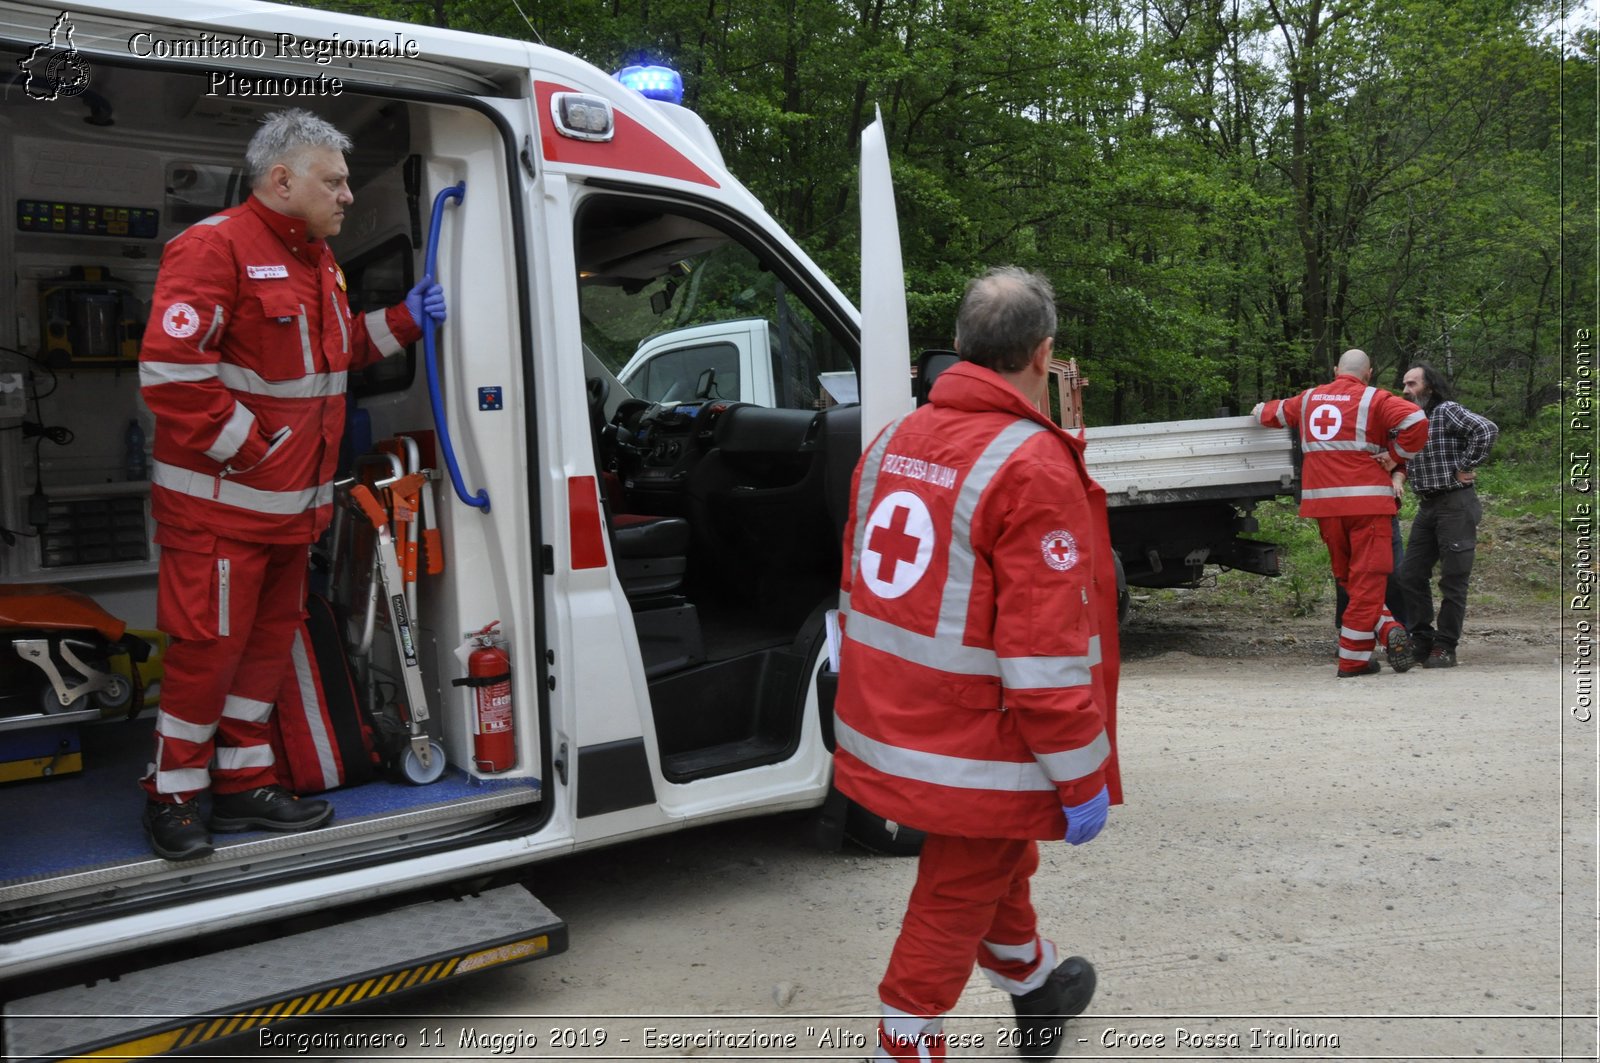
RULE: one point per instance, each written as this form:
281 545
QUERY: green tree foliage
1226 193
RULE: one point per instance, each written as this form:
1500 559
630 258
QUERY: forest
1226 194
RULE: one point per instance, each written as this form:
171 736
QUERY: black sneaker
267 808
1398 650
1439 657
176 831
1370 668
1042 1014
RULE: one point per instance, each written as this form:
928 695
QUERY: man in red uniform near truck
244 364
978 669
1343 426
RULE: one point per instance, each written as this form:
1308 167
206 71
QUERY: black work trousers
1444 533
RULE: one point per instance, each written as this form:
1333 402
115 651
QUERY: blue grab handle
456 192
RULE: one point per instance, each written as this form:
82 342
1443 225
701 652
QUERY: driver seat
652 553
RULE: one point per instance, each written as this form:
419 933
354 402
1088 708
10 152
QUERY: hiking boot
1397 648
267 808
1370 668
176 831
1042 1013
1439 657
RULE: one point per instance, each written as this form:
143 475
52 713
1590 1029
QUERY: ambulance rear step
242 990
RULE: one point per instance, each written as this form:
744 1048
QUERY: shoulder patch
1060 549
180 321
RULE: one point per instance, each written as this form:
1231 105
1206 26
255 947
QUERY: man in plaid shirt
1445 530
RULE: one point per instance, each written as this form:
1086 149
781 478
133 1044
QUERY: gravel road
1385 868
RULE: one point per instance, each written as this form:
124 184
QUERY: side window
380 278
683 373
679 307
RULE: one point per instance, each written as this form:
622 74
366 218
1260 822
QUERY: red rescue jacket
244 364
977 693
1343 425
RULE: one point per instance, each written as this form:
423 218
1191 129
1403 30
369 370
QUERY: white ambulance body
659 571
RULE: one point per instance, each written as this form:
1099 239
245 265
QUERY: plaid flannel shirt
1458 439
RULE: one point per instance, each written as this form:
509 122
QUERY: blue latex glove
426 298
1085 821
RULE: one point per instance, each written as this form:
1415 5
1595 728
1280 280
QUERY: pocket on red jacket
285 346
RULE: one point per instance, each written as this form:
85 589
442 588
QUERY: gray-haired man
244 363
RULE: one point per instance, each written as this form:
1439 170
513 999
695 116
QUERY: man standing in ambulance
1343 426
978 669
244 363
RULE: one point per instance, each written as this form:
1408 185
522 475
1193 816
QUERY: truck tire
871 831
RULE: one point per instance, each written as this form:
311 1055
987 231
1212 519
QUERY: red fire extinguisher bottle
494 743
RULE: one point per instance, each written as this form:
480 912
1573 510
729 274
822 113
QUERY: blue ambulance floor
91 819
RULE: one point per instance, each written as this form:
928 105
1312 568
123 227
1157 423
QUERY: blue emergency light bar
653 82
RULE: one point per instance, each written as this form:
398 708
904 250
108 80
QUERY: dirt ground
1397 867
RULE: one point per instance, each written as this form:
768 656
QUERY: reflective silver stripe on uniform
1049 673
169 726
1305 406
224 614
868 487
1044 962
1352 633
344 330
1347 492
1410 420
316 724
249 710
182 781
216 326
957 591
1311 446
1364 414
378 332
942 770
921 649
305 340
215 219
1027 952
315 386
1070 765
154 373
233 434
229 493
233 758
1283 421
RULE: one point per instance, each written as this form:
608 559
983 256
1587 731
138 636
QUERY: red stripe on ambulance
632 147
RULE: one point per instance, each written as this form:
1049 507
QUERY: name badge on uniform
264 273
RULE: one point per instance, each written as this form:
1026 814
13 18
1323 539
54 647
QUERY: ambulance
654 576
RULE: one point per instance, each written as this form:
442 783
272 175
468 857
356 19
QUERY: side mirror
929 365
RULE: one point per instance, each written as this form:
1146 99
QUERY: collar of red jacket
292 231
970 387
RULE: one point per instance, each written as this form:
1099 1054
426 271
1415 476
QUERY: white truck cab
659 572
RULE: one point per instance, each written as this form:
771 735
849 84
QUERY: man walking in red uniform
244 364
1343 426
978 669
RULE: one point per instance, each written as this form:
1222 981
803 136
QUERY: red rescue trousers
232 609
970 903
1361 549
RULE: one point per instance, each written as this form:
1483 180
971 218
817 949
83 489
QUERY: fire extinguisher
494 742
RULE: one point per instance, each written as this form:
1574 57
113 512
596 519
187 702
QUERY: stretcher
62 661
398 509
